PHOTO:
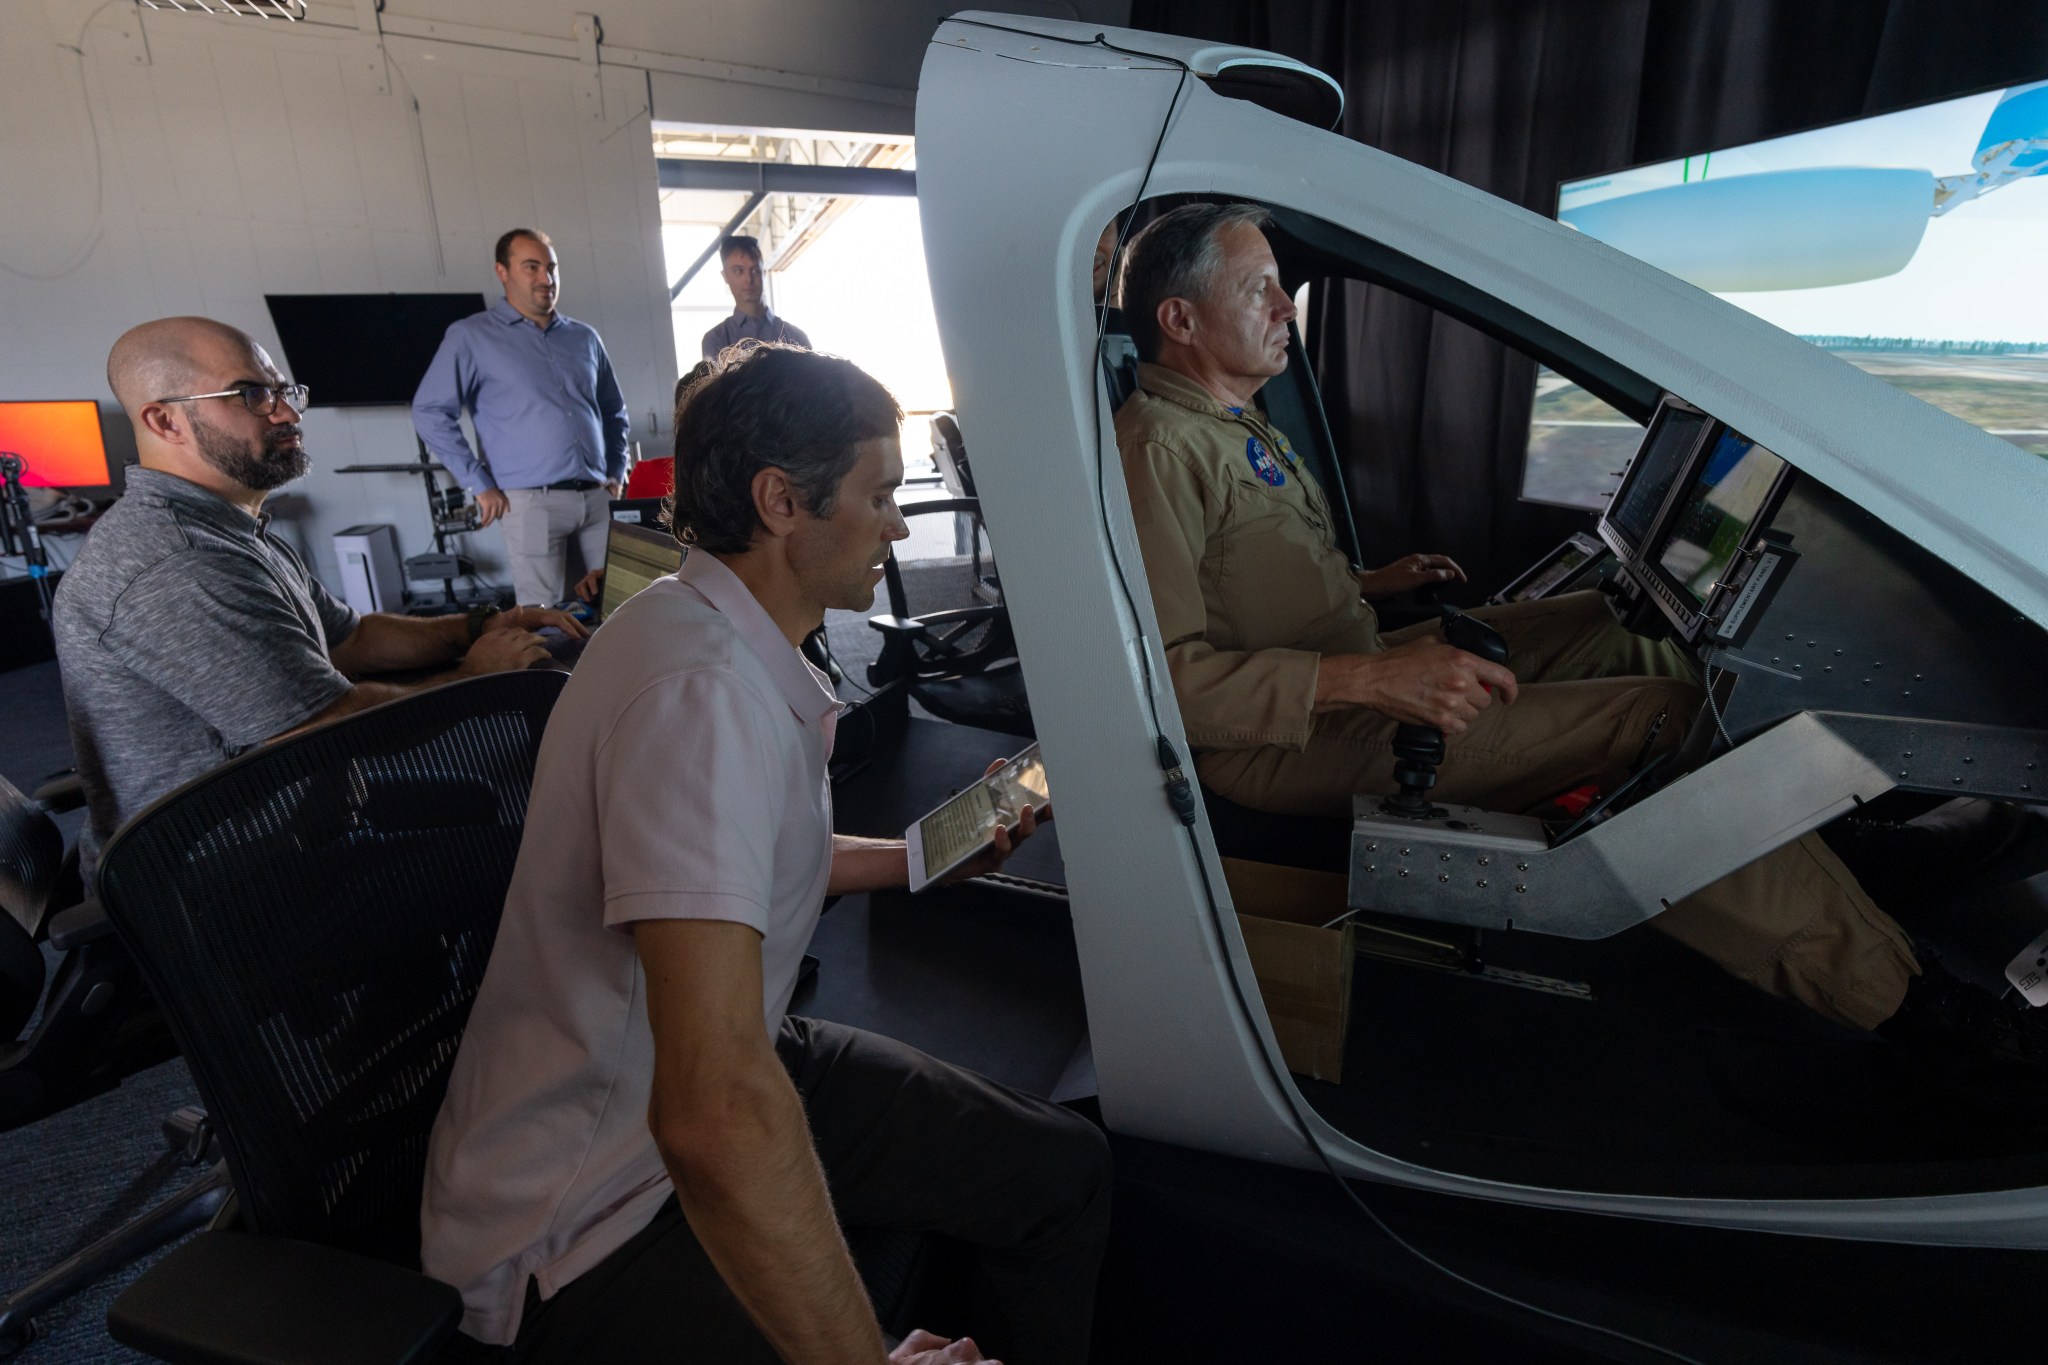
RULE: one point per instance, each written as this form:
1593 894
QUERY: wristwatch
478 614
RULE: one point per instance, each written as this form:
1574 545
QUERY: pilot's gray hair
1176 257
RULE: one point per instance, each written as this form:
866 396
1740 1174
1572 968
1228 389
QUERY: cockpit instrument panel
1690 520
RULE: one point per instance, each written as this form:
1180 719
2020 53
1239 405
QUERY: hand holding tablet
967 826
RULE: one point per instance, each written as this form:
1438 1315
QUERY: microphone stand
18 534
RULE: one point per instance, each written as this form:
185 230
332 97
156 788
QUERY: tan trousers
539 524
1595 701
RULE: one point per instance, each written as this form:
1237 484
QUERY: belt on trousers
570 486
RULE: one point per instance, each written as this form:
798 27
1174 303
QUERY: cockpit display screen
1717 512
1663 457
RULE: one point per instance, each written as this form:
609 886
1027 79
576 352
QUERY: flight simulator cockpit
1859 578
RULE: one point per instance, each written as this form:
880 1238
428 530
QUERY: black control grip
1474 636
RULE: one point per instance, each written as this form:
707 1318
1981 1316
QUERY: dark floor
76 1175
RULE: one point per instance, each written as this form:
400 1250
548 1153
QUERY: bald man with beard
187 633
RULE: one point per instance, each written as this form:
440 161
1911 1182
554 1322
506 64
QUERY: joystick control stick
1418 749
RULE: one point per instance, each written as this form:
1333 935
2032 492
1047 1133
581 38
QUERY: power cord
1180 790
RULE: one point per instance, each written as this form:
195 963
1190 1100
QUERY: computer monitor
364 350
634 557
1631 520
59 442
1711 521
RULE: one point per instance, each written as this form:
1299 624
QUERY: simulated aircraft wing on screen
1813 226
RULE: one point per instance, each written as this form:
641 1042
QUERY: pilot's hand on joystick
1429 682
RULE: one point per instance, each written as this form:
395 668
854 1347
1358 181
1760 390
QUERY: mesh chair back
31 855
314 918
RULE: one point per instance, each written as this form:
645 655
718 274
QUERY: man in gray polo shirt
187 632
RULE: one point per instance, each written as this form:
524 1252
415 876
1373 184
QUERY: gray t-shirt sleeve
213 630
337 618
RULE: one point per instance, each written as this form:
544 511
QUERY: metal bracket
1500 871
372 29
589 35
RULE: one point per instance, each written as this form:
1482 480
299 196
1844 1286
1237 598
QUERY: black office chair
949 456
958 662
314 919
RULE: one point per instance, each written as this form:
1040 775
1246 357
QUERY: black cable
1179 790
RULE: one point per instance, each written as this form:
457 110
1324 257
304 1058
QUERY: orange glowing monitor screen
59 443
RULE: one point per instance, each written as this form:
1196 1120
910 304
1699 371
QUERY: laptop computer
635 556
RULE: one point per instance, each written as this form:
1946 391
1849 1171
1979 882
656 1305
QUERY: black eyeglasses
261 399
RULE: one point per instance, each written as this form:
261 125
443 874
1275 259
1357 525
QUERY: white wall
156 162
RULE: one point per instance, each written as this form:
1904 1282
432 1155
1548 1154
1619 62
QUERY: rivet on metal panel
1519 888
1443 876
1482 883
1483 860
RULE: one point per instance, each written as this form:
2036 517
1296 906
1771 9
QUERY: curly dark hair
779 406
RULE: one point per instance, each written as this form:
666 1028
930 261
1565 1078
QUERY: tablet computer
965 825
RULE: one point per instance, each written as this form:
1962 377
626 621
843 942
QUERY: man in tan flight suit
1290 693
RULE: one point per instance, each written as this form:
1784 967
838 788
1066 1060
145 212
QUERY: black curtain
1513 96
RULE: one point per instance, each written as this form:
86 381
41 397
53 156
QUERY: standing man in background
752 319
550 420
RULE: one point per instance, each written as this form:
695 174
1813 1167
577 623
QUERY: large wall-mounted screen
364 350
1908 244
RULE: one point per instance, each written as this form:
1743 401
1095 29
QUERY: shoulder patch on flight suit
1263 464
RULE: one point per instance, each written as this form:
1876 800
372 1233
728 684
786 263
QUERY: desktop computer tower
370 576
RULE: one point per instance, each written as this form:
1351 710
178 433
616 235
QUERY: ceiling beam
776 177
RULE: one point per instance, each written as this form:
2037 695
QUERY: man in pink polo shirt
634 1157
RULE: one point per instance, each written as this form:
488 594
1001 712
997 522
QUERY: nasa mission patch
1263 464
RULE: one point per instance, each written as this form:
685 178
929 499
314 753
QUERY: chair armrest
63 793
81 924
897 625
243 1298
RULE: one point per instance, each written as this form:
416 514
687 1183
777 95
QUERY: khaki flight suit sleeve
1229 698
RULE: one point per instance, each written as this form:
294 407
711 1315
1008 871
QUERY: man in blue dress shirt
549 418
752 319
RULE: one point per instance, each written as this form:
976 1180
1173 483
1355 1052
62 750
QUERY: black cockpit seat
958 662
